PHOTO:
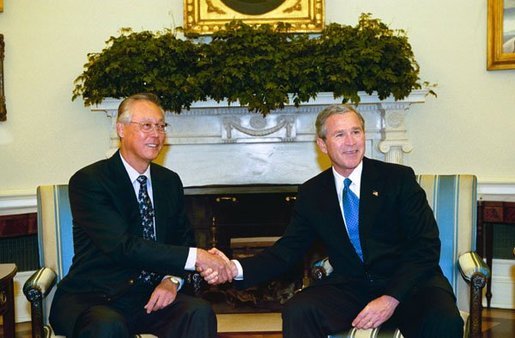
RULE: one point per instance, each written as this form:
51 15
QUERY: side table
7 272
489 214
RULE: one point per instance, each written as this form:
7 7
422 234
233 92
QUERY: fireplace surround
241 220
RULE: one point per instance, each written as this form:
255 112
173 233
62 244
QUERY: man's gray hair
124 110
334 110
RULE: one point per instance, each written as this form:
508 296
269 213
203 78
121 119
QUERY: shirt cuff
181 280
191 260
239 276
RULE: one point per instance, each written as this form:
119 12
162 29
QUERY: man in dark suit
389 274
132 242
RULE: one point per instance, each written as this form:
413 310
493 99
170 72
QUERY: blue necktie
147 222
351 213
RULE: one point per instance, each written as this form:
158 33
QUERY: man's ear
321 145
120 130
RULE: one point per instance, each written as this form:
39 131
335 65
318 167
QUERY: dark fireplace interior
241 220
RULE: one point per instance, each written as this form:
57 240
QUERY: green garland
256 66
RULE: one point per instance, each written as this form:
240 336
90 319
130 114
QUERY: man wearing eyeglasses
132 242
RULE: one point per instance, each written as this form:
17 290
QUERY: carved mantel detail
238 128
218 143
213 126
395 142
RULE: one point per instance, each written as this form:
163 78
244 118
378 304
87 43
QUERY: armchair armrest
39 284
471 265
475 272
36 288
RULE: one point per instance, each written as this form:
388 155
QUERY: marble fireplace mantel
239 147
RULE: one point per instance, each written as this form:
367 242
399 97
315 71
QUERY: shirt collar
133 173
355 177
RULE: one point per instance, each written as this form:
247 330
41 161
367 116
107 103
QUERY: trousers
328 309
94 315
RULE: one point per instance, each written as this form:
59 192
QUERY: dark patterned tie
351 213
147 222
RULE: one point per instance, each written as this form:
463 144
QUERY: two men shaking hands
214 266
393 279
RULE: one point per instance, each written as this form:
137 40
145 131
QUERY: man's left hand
163 295
375 313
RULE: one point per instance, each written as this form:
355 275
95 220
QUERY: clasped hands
214 266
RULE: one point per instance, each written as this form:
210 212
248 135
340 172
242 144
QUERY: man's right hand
214 266
376 312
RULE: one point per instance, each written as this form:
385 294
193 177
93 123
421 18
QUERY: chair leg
36 308
477 283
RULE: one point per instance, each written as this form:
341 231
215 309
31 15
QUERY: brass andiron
213 241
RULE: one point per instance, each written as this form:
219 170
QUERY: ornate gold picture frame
209 16
501 34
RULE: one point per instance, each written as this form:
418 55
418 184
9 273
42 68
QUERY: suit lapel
124 193
370 193
331 195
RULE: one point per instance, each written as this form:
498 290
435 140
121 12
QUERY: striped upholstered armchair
454 202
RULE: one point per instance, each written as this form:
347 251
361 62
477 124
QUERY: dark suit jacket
109 250
398 234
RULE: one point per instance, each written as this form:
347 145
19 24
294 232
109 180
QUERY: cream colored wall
470 127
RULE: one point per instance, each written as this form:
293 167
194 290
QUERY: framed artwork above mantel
501 35
208 16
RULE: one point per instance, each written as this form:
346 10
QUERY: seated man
381 237
131 240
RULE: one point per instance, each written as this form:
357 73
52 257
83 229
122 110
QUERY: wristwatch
175 281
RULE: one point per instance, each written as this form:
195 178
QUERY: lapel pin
375 193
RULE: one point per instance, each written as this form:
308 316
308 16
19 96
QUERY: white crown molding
17 202
496 191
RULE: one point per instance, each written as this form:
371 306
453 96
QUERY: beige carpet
249 322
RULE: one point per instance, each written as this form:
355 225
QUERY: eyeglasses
148 127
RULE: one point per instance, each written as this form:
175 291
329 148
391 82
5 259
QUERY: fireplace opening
242 220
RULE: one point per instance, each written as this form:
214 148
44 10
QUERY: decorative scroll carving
296 7
258 124
395 142
213 9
